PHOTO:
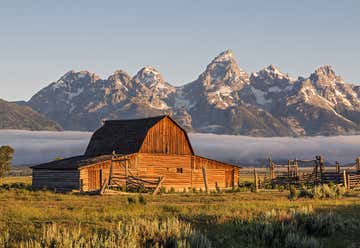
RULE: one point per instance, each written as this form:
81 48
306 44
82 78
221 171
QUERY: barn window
179 170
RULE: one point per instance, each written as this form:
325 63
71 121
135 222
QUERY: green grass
242 219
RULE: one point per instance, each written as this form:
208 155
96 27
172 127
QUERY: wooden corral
306 172
137 154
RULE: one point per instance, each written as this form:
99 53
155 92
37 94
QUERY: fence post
358 164
271 167
288 168
256 181
321 164
338 171
345 179
316 171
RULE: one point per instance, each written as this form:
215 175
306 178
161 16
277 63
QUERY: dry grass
24 213
16 179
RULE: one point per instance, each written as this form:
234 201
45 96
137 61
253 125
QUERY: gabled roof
123 136
72 163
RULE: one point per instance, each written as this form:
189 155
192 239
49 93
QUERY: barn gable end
166 137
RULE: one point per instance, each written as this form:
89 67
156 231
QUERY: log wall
179 171
59 180
175 168
218 174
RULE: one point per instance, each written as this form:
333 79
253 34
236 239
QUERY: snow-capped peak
119 75
272 72
224 57
327 70
273 69
325 75
149 76
75 77
150 70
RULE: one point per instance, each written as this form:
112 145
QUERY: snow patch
151 70
225 90
71 95
161 106
260 96
274 89
181 101
59 84
225 56
288 88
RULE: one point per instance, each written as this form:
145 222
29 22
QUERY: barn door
95 177
229 178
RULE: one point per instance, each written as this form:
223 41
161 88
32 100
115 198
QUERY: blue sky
42 40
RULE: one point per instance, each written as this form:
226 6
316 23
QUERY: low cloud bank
37 147
43 146
247 150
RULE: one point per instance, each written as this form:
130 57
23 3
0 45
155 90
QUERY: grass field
243 219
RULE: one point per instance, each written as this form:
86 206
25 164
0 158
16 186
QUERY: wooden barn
150 152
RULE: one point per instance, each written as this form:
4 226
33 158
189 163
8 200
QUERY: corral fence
303 172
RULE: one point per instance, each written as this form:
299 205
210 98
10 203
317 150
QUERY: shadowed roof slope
72 163
121 136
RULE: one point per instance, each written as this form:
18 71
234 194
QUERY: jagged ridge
223 99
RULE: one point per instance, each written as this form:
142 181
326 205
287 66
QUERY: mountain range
224 99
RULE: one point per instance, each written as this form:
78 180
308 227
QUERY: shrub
131 200
171 209
281 188
162 190
340 190
293 193
142 200
279 228
323 191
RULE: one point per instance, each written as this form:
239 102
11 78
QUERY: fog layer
37 147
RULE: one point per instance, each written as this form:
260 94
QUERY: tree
6 157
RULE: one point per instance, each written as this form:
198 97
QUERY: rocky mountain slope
223 99
13 116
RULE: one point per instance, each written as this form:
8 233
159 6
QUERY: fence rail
294 174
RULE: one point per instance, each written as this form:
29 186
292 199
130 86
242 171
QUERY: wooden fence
313 173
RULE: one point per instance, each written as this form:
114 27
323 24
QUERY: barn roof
123 136
72 163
